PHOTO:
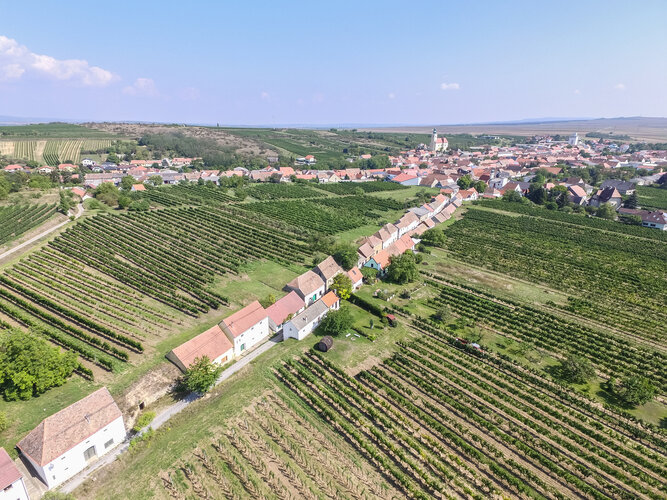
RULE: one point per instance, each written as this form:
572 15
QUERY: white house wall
73 461
15 491
251 337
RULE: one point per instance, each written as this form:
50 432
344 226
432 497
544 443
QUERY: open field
639 128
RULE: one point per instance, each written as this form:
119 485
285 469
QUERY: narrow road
42 234
165 415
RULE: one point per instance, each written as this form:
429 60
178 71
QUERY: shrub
143 420
201 375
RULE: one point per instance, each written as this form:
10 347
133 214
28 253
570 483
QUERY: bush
143 420
366 305
402 268
201 375
336 322
576 370
632 391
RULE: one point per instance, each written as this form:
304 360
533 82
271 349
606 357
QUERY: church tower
434 140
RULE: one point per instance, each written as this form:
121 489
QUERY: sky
332 63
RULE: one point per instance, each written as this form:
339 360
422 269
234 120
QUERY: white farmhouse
12 486
66 442
301 325
247 327
309 286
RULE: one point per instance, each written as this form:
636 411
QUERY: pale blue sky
342 62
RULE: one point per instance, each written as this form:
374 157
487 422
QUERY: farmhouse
12 486
331 300
379 261
387 234
407 223
309 286
328 269
300 326
576 194
608 195
284 308
406 179
66 442
213 343
246 327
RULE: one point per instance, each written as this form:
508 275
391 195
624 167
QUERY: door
89 453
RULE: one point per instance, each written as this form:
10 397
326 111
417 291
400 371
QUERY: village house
327 270
356 278
12 486
247 327
213 344
655 220
301 325
68 441
623 187
406 179
331 300
576 194
608 195
379 261
408 222
387 234
364 252
309 286
469 194
283 309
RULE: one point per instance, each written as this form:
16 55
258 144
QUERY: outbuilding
325 344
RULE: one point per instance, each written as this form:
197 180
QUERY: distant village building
438 144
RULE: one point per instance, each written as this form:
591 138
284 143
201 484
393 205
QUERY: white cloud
265 96
450 86
17 60
142 87
620 86
577 91
391 95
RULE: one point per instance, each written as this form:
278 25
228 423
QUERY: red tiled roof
242 320
213 343
308 282
289 304
139 187
403 177
8 472
355 275
63 430
330 299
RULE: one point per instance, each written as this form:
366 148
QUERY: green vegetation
652 198
342 285
200 376
17 219
336 322
144 419
576 370
29 366
46 130
402 268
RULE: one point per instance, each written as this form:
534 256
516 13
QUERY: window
108 443
243 347
89 453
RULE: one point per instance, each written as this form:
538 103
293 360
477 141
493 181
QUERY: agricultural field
652 198
329 215
16 220
367 187
596 267
187 194
270 191
50 130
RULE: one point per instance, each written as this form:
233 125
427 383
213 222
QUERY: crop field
270 191
366 187
6 148
652 198
96 304
187 194
327 215
597 268
96 145
50 130
18 219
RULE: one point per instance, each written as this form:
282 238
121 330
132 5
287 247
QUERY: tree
633 391
155 180
443 314
127 182
434 237
29 366
336 322
345 256
342 285
513 196
480 186
107 193
537 194
465 182
65 201
632 201
576 370
201 375
319 242
113 158
124 201
606 211
402 268
370 275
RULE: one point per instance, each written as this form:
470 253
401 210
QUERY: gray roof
309 314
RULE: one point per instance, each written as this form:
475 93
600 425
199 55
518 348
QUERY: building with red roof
11 480
213 344
283 308
247 327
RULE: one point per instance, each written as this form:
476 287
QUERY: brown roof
63 430
8 472
308 282
213 343
366 251
242 320
406 220
330 299
328 268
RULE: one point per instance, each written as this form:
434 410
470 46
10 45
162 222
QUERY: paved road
42 234
166 414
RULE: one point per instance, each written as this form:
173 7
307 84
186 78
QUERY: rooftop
242 320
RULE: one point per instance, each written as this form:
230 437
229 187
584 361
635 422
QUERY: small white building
301 325
573 140
68 441
12 486
356 278
247 327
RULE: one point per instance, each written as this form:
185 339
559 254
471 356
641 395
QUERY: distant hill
638 128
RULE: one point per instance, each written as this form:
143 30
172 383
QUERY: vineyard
188 194
86 290
599 270
652 198
366 187
53 151
18 219
432 421
329 215
272 191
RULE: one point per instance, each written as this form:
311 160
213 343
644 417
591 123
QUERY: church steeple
434 140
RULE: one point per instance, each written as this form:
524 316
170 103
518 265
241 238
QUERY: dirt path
39 236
